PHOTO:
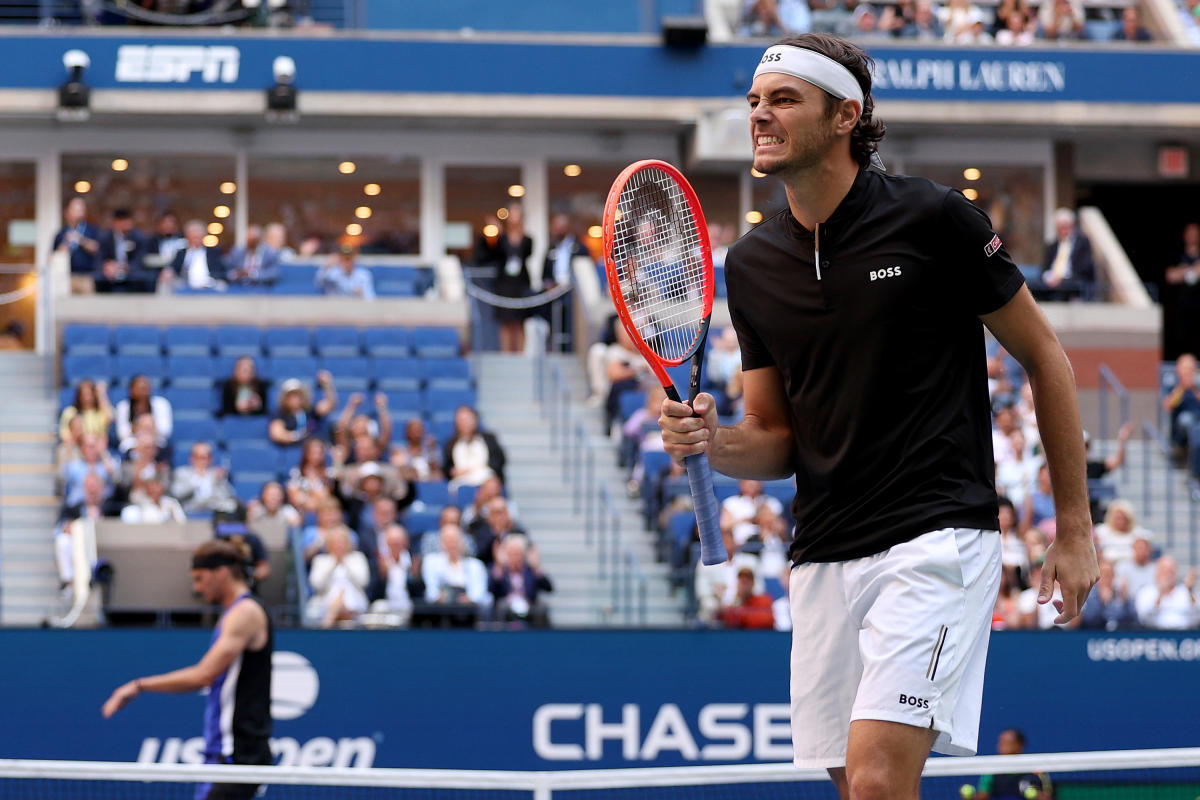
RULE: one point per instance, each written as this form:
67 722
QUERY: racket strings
660 263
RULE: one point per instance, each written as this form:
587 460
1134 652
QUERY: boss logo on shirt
915 702
991 247
884 272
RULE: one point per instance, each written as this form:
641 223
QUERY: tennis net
1172 774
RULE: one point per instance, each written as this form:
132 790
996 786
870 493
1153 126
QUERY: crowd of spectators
960 22
347 498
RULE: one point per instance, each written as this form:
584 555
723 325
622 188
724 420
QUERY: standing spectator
297 418
1168 604
1109 607
472 455
517 580
565 247
417 456
197 265
775 17
1068 268
154 506
142 400
254 263
739 510
1185 275
451 576
167 241
310 482
512 279
396 569
119 261
338 578
1118 531
199 486
271 506
1131 29
351 426
1138 572
1183 404
244 393
750 608
329 521
94 460
342 277
80 240
92 407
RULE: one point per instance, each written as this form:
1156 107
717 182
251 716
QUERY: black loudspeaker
684 31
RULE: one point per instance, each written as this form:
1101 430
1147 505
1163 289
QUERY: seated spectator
976 32
1109 607
774 17
625 370
769 540
1039 504
451 576
338 578
715 585
1168 604
1068 269
141 401
153 505
196 265
396 569
1118 531
199 486
244 393
1062 20
517 580
1183 403
491 532
145 461
367 464
374 521
310 482
91 406
271 506
724 359
329 522
417 456
68 445
471 455
1008 9
866 25
1014 554
1035 615
350 425
1016 475
254 263
750 608
297 418
94 506
1138 572
476 512
1006 613
342 277
80 241
167 240
275 238
1131 29
956 18
925 26
119 260
1020 30
641 434
739 510
95 460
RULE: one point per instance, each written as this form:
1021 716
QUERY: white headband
809 65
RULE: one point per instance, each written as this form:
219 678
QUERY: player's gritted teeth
763 140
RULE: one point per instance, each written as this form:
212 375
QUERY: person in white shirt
1017 474
1168 604
453 577
338 578
154 507
1117 533
738 511
1138 572
196 265
395 566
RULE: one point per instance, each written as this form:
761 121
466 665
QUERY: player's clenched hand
685 434
1071 561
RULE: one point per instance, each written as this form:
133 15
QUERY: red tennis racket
659 265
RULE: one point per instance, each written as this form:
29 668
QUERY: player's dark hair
233 551
865 138
1003 502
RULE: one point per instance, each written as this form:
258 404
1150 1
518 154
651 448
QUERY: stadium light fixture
74 95
281 97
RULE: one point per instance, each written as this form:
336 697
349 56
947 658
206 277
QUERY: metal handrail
1151 434
1110 383
634 574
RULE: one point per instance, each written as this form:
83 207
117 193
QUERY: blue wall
472 700
610 16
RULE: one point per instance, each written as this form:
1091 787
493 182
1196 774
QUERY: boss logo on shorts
884 272
915 702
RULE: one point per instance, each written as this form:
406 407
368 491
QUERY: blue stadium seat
126 366
280 368
238 340
196 430
465 496
629 402
93 367
446 368
80 339
783 490
719 289
349 374
288 342
245 429
429 342
66 397
253 457
184 399
679 532
338 342
389 286
137 340
297 276
724 489
286 458
388 342
433 493
421 522
397 373
404 401
440 400
442 429
188 340
248 489
191 371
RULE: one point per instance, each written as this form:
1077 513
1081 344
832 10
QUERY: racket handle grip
704 501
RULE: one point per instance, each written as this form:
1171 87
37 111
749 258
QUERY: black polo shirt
882 358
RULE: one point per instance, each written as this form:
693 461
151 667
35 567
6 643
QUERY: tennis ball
1031 792
967 791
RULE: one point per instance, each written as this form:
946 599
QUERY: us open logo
294 685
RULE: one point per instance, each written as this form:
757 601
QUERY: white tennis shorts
900 636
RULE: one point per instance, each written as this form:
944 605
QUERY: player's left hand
1071 561
120 698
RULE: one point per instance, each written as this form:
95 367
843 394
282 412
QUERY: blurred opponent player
858 310
236 669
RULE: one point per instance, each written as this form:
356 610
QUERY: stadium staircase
28 502
542 483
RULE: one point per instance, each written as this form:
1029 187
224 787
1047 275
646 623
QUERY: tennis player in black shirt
860 311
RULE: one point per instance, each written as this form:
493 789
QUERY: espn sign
169 63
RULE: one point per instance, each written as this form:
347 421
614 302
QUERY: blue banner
559 699
375 64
